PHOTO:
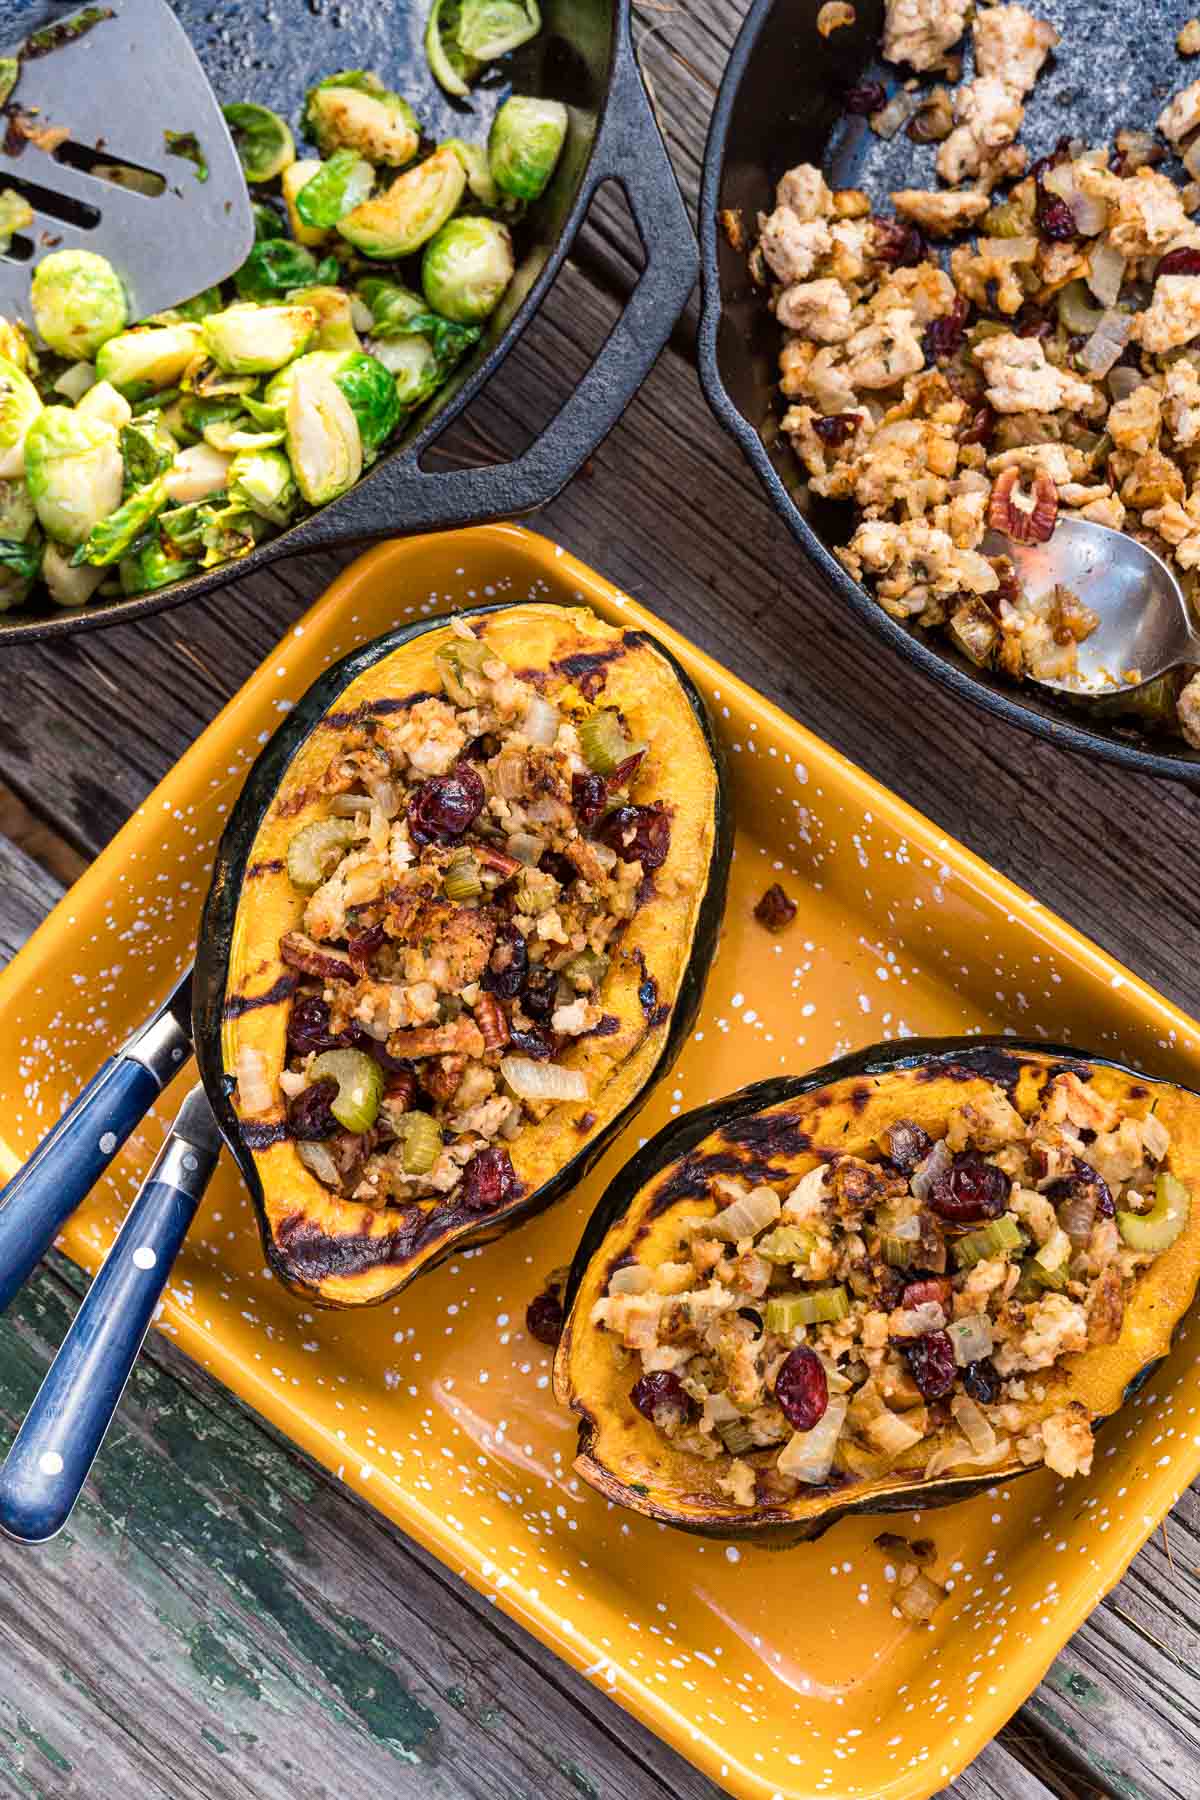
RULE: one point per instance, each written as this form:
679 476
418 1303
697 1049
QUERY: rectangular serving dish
779 1676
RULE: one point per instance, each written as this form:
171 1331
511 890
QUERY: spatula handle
50 1457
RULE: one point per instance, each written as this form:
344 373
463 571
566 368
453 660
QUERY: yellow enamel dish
779 1675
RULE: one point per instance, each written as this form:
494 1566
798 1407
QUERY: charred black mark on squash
694 1175
375 709
309 1254
261 1137
977 1065
239 1004
1138 1092
257 869
860 1098
654 1010
768 1134
588 669
606 1025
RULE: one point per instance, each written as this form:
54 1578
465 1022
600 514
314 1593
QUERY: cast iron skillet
781 102
583 56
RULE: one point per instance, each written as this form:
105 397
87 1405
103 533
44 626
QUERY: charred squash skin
775 1131
337 1252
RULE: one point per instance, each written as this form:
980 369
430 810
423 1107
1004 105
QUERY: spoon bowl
1145 624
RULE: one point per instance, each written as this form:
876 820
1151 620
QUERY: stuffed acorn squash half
915 1273
460 925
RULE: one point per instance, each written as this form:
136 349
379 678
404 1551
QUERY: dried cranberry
443 808
898 244
1060 153
624 772
865 99
945 335
489 1179
776 909
308 1030
638 834
537 1043
1084 1183
661 1398
802 1389
541 992
309 1115
362 945
507 964
928 1287
931 1363
1052 217
1179 262
544 1318
834 428
907 1144
979 431
982 1381
970 1189
589 797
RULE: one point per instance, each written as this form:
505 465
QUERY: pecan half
305 953
1023 523
461 1034
492 1021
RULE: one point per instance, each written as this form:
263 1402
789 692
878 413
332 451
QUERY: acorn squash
335 1239
769 1136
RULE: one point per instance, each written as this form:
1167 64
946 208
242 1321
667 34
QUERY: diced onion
719 1409
915 1321
929 1169
541 722
526 846
907 1230
1060 180
888 120
979 1434
1106 272
531 1080
919 1600
348 806
319 1162
1106 343
747 1216
1123 380
254 1090
634 1278
1155 1137
892 1434
1076 1216
386 796
808 1455
1009 249
971 1337
960 1455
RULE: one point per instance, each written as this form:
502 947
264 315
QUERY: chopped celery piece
1036 1278
899 1252
996 1238
787 1244
1157 1229
315 849
420 1143
737 1437
824 1306
360 1084
461 880
586 971
604 743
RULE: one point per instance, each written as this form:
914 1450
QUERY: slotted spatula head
130 94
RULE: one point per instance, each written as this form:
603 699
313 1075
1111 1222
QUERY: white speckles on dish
108 1143
50 1462
144 1257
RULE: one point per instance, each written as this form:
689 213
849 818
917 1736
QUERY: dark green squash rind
217 925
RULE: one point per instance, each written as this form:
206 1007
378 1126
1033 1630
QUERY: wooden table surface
222 1619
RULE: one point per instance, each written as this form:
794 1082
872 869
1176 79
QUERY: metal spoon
1145 621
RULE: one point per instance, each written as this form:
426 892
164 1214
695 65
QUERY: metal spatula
123 82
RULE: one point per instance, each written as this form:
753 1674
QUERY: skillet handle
67 1164
51 1454
628 150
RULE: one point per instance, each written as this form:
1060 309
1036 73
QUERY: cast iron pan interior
781 103
271 51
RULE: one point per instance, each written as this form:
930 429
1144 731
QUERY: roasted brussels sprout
263 483
103 402
151 564
78 302
338 186
111 537
196 474
20 405
267 222
524 145
74 472
416 205
262 139
466 268
148 358
68 585
413 365
323 439
477 169
335 313
361 378
295 179
275 266
17 517
391 306
462 35
195 309
353 110
253 340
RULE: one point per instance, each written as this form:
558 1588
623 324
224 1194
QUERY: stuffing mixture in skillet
466 895
879 1302
1046 364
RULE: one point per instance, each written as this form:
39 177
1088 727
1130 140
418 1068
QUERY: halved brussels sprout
195 309
335 311
413 365
78 302
68 585
416 205
16 214
17 517
197 472
462 35
229 533
110 538
252 340
15 345
295 179
277 266
324 444
390 305
152 564
102 401
525 142
20 404
74 471
361 378
148 358
354 111
478 171
262 139
262 481
466 268
338 186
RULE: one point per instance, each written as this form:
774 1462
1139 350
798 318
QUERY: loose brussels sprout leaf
338 186
491 28
17 517
390 305
78 302
275 266
477 170
271 418
21 557
449 67
233 435
74 472
181 527
335 310
252 340
198 414
153 564
230 534
262 482
374 123
199 306
109 539
187 145
466 268
323 440
102 401
20 404
525 142
267 222
148 450
10 70
64 31
67 585
16 214
294 180
211 382
413 365
416 205
262 139
197 473
148 358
